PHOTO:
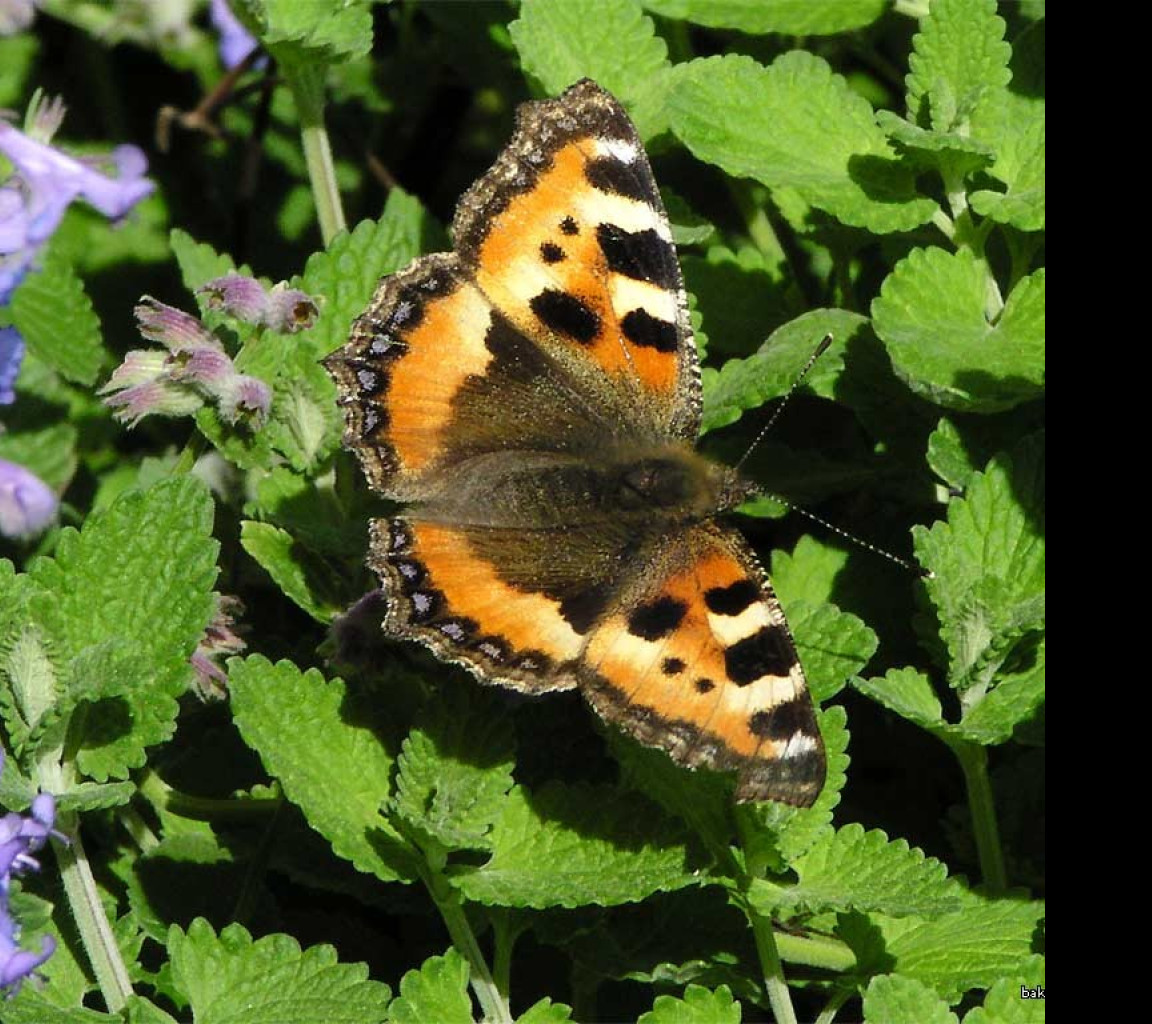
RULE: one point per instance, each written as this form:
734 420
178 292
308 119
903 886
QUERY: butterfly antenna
820 350
859 541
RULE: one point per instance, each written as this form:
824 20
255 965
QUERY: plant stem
816 951
492 1002
982 807
832 1007
201 808
92 923
778 996
307 85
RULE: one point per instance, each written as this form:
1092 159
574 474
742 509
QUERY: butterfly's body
533 399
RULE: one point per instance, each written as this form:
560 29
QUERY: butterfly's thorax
613 485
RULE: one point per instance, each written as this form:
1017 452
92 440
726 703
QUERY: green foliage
54 315
271 978
437 991
853 168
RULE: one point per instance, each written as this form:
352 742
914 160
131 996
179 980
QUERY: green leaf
325 749
1012 122
958 54
304 423
893 999
610 41
833 646
743 384
973 948
909 693
315 32
49 452
230 977
122 607
853 869
787 17
796 125
989 566
1011 702
91 796
143 1011
32 684
54 315
776 834
566 846
303 577
931 316
345 274
1005 1002
992 720
199 263
948 456
954 155
17 53
545 1012
142 570
807 574
312 512
31 1007
437 991
699 1006
1020 164
455 769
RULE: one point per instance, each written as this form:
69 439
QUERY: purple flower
15 16
20 837
173 328
142 386
219 640
237 295
290 310
52 180
235 42
46 181
245 398
176 383
284 310
16 963
11 352
43 183
27 504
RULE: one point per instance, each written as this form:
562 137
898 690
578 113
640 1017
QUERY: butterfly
533 400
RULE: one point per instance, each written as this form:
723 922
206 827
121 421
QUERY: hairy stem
982 806
492 1001
779 998
92 923
307 87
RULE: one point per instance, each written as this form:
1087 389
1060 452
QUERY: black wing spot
640 255
569 226
608 174
704 685
767 652
783 721
643 329
566 314
550 252
581 611
656 619
672 666
733 599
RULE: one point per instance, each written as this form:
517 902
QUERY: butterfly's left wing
695 657
567 237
